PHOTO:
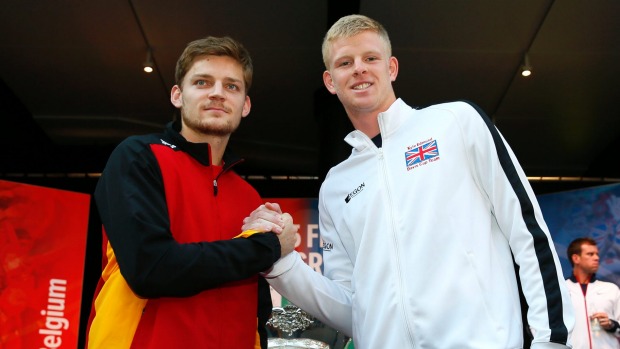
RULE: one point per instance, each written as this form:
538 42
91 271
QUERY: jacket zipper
395 240
224 170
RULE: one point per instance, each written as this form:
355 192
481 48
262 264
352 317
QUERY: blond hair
349 26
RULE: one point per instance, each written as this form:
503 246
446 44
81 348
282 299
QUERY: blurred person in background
596 302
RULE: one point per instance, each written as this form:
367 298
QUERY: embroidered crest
421 154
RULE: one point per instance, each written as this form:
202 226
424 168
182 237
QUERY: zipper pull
215 187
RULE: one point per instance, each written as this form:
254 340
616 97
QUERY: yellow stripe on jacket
117 310
247 234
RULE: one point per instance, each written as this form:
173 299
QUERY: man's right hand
288 237
267 217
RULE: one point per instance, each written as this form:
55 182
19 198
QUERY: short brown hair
349 26
575 247
214 46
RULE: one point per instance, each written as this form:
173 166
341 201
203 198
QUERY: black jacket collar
199 151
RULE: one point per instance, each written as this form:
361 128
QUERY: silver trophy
293 328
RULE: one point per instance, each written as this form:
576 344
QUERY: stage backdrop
593 212
42 248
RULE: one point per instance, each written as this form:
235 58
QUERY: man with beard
175 273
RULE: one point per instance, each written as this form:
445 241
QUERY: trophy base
295 343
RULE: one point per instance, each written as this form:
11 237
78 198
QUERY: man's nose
217 91
359 66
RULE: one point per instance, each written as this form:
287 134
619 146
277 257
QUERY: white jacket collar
389 121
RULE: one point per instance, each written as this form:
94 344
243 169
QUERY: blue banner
591 212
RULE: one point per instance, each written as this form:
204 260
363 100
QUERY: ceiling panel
73 69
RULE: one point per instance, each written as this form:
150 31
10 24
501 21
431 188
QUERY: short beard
207 128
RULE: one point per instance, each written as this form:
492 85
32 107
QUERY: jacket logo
421 154
354 192
328 246
168 144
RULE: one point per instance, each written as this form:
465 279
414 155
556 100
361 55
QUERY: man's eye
371 59
233 87
201 82
342 64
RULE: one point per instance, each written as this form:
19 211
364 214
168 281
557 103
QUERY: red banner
42 249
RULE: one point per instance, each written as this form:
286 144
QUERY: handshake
269 218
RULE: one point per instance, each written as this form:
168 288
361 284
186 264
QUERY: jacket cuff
283 265
613 328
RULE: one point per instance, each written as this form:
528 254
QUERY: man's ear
329 82
574 257
393 68
247 105
176 96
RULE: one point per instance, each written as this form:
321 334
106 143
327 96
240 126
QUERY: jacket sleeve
520 220
326 297
131 202
321 297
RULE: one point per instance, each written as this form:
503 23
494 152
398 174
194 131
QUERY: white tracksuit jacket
420 255
601 296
